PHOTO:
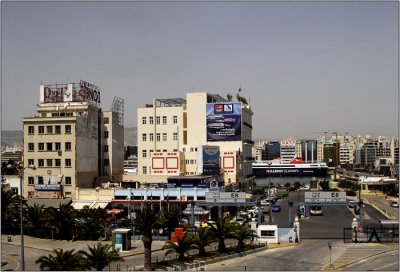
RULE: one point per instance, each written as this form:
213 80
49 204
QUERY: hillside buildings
71 142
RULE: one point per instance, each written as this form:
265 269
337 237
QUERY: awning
197 210
78 205
99 205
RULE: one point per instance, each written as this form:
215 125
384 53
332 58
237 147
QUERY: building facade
171 133
67 141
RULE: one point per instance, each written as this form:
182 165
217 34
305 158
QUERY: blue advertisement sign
47 187
224 121
118 241
211 158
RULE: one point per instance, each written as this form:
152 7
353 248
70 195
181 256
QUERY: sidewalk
50 245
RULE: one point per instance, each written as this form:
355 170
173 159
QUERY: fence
372 235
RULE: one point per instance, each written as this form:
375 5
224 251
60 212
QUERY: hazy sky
306 67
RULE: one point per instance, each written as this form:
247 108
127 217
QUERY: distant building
288 150
71 141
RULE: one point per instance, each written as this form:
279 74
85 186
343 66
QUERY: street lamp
269 190
21 215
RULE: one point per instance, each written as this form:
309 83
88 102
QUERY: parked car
276 208
352 204
394 204
240 221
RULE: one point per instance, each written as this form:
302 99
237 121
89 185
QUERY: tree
94 221
63 261
203 238
9 202
62 218
243 233
223 229
101 255
146 221
36 217
182 246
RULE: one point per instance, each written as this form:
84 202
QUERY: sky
305 67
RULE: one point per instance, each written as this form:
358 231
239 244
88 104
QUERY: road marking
379 268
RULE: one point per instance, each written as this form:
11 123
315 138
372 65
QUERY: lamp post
21 214
269 190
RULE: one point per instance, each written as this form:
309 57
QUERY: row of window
49 146
31 180
50 162
158 120
144 151
49 129
158 137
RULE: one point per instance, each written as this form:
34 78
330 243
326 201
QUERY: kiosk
121 239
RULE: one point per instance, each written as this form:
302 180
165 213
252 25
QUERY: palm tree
63 261
243 233
182 246
36 216
94 223
101 255
223 229
9 200
62 218
146 222
203 238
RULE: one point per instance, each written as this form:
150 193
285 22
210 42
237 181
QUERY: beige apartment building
71 142
173 133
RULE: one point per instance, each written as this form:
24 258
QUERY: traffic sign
318 197
225 197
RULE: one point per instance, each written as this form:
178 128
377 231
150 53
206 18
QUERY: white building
171 132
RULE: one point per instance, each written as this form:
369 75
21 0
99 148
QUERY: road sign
225 197
318 197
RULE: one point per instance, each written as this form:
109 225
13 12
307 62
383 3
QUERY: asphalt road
388 261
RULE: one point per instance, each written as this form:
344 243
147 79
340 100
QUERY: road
388 261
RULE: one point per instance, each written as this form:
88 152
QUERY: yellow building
173 133
71 142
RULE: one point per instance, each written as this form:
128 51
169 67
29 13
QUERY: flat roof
170 102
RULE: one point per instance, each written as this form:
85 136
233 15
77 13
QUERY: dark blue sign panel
211 160
47 187
224 122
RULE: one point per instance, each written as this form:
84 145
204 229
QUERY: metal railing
372 235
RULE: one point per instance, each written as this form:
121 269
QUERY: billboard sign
72 92
224 122
225 197
208 158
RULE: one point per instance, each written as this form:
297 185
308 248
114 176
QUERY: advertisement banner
208 158
224 122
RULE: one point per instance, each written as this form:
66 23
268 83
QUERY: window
49 162
58 129
31 130
105 148
58 162
58 146
41 162
267 233
31 146
40 179
175 119
164 120
151 120
68 146
41 129
151 151
175 136
158 120
68 181
151 136
31 181
144 170
67 129
105 134
106 120
49 146
164 137
68 163
31 162
106 162
144 137
158 137
68 114
49 129
144 120
41 146
144 153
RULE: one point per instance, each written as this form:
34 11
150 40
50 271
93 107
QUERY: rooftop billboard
224 122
